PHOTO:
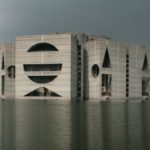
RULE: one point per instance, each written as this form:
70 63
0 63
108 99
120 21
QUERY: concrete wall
8 51
66 84
117 51
63 83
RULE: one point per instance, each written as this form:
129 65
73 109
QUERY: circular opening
11 71
95 70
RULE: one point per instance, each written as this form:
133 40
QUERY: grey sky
124 20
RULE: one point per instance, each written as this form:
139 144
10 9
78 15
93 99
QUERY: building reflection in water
79 140
145 116
28 125
8 125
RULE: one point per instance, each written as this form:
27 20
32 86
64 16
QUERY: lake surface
61 125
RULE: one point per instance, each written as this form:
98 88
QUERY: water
61 125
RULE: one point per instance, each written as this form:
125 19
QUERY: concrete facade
73 66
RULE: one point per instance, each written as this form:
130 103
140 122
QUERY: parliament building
73 66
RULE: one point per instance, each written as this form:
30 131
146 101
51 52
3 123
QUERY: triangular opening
145 64
106 62
3 62
42 91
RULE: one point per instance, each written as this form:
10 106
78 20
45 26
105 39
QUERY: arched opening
42 79
42 47
11 72
95 70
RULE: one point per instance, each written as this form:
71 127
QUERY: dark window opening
11 71
145 83
106 84
42 79
127 61
106 62
79 47
79 94
3 62
145 64
79 88
42 91
95 70
42 67
127 75
42 47
3 85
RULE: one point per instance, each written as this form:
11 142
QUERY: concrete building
73 66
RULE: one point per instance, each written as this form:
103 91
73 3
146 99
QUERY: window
42 47
95 70
106 62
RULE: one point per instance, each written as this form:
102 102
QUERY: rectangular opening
42 67
79 47
127 61
127 76
3 85
127 85
145 83
106 84
127 56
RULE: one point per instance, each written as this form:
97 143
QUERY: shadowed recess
95 70
42 79
11 71
106 62
42 67
3 62
42 91
145 64
42 47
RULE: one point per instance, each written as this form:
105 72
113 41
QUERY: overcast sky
124 20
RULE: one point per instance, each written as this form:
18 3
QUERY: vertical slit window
3 62
3 85
127 75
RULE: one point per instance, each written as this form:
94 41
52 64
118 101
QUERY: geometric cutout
106 84
3 85
95 70
42 67
145 64
42 91
42 47
3 62
42 79
106 61
11 72
145 85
